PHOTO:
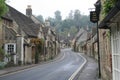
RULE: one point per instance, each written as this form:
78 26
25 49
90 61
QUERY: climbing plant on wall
108 5
3 7
39 45
2 54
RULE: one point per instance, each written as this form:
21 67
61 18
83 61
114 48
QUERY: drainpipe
98 52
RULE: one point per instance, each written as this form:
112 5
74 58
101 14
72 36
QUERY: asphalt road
60 69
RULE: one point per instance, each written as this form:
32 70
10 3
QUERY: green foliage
71 24
108 34
2 65
58 16
108 5
40 18
52 21
3 8
73 30
40 45
77 19
2 54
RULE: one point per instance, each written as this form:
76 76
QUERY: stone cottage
25 30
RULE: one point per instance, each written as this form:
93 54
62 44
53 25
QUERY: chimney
29 11
47 23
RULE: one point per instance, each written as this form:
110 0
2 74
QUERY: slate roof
35 19
24 22
45 30
7 17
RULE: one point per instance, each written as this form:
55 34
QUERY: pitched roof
45 30
25 23
35 19
7 17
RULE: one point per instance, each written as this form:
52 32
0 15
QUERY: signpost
95 18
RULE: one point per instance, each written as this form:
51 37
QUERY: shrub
2 54
2 65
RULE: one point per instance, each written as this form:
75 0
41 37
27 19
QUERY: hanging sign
93 16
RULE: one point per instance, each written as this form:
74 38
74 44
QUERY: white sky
48 7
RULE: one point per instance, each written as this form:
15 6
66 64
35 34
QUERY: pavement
59 69
10 70
90 70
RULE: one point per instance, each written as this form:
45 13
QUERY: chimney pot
29 11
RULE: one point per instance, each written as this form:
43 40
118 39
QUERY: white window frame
115 40
9 46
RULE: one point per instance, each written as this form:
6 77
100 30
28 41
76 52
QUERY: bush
2 65
2 54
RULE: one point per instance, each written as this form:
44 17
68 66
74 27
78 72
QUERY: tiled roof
25 23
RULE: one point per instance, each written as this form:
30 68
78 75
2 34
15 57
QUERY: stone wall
105 55
0 33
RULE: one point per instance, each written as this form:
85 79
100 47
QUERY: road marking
18 71
61 58
77 71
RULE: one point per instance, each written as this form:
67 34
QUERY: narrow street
60 69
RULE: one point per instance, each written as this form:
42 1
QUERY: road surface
60 69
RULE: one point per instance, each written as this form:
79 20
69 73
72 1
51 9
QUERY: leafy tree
3 7
52 21
2 54
56 22
58 16
77 19
70 16
67 23
71 24
40 17
73 30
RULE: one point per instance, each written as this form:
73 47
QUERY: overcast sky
48 7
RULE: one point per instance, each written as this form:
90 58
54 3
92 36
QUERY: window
10 48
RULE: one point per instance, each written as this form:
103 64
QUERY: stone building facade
109 42
20 33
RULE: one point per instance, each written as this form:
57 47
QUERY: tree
70 16
52 21
58 16
40 17
3 7
71 24
73 30
77 19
